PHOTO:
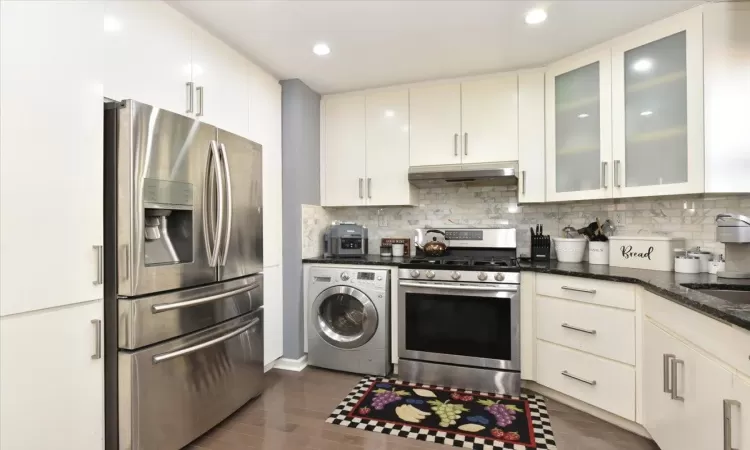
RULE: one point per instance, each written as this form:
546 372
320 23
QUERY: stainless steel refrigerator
183 282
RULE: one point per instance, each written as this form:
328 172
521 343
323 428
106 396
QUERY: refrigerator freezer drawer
148 320
171 393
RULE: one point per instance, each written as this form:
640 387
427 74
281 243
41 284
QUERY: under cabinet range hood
494 174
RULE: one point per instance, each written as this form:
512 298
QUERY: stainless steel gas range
459 314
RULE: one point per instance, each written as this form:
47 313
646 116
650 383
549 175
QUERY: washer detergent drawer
171 393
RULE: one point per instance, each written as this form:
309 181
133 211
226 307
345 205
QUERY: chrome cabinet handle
523 182
604 174
369 188
583 380
466 143
587 291
582 330
98 339
673 377
199 301
665 372
185 351
189 97
617 173
228 184
199 89
214 228
728 423
360 188
99 265
455 144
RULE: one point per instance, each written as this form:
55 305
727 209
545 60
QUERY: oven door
467 324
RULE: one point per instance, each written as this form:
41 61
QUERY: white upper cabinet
531 176
387 148
435 125
220 76
51 134
657 108
726 35
579 127
489 120
148 54
344 140
51 383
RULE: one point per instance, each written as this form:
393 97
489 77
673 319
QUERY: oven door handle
458 288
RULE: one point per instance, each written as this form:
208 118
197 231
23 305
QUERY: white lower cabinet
51 385
273 311
683 393
738 414
600 382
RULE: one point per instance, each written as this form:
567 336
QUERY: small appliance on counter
345 239
734 231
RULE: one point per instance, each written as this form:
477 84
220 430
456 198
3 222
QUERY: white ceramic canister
703 256
598 252
397 249
687 264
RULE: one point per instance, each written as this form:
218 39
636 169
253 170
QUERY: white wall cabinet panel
387 148
51 137
489 120
52 390
344 142
578 116
435 125
657 108
726 34
531 177
273 332
221 84
148 54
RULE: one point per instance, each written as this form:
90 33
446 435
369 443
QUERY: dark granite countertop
664 284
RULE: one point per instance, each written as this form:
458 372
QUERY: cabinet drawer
605 384
607 293
602 331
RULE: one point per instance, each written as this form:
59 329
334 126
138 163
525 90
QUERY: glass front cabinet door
657 108
578 111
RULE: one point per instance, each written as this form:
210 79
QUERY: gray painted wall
300 142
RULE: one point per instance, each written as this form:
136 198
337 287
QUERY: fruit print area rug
456 417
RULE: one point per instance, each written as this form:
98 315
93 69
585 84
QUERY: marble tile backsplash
690 217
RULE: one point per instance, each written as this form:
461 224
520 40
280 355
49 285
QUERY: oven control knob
344 276
499 277
430 274
482 276
455 275
414 273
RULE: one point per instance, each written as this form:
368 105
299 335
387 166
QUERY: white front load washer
349 319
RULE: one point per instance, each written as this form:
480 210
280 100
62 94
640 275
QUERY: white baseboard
270 365
295 365
606 416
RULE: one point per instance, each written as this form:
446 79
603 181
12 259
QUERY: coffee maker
734 231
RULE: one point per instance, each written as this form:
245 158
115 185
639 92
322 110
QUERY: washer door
344 317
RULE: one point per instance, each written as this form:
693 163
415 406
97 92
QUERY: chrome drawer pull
665 372
587 291
674 379
582 330
199 301
583 380
185 351
728 423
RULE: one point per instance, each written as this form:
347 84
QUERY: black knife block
540 247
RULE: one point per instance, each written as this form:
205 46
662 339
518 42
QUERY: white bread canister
644 252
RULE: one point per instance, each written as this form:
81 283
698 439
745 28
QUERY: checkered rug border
539 416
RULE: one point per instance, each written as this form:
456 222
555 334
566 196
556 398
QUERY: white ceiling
382 42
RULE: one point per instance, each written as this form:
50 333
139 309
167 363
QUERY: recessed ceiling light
643 65
389 113
647 113
536 16
582 116
321 49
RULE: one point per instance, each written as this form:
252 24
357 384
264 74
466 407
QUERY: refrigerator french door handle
228 183
213 163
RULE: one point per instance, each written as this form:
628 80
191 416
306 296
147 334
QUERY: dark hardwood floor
292 411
